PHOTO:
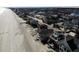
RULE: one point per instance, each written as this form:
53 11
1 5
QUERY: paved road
13 37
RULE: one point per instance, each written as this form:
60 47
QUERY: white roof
2 10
